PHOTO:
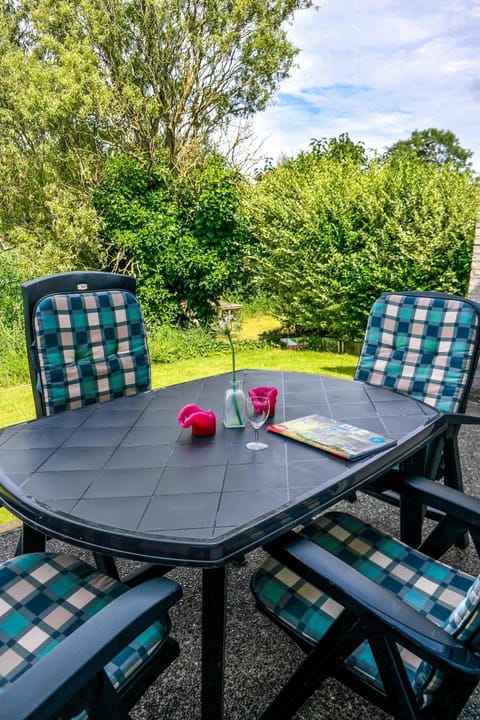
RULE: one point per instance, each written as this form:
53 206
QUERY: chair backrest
86 339
423 344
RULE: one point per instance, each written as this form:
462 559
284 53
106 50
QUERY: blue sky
378 69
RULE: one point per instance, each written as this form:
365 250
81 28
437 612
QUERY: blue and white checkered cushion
421 346
464 624
44 597
89 347
429 586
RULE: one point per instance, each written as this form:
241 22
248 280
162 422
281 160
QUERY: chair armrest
461 419
437 495
61 674
454 420
375 604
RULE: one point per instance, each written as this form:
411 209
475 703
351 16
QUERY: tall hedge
331 235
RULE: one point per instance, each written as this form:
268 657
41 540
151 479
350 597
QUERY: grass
16 403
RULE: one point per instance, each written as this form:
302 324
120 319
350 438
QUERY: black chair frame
372 613
440 460
71 678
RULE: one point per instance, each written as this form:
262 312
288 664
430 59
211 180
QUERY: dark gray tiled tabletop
123 475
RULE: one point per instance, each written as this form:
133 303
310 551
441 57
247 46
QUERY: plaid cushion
429 586
89 347
44 597
464 624
422 346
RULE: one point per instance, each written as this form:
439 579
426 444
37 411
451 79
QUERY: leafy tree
435 146
83 80
341 148
158 73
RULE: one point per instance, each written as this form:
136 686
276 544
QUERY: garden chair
399 628
86 340
86 343
425 345
75 643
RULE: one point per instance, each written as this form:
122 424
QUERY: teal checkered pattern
429 586
464 624
89 347
44 597
421 346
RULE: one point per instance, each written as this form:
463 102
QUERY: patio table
122 478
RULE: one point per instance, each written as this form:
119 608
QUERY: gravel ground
259 657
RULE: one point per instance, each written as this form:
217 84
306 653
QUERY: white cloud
379 69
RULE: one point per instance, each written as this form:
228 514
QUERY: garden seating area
424 346
260 657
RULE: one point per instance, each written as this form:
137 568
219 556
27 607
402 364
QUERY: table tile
197 510
58 485
244 506
76 458
140 456
95 437
123 482
120 512
24 460
175 481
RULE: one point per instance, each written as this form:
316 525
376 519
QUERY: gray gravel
259 656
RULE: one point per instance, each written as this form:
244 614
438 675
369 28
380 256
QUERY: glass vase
234 410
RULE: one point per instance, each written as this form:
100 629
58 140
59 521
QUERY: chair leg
30 541
106 565
411 520
450 707
453 478
337 644
108 705
401 698
446 533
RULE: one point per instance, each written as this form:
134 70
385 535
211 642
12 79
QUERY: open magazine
339 438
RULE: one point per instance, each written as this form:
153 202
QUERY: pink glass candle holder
269 392
202 422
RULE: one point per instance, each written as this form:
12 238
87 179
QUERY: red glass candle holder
269 392
202 422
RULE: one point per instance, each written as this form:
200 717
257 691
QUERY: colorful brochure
338 438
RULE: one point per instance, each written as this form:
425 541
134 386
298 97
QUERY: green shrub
168 344
332 235
11 308
178 234
13 354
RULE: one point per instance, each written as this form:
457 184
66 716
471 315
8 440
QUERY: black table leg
213 642
30 541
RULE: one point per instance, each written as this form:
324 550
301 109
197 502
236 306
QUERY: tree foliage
332 235
341 148
84 80
148 74
435 146
177 234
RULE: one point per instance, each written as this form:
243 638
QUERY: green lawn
16 404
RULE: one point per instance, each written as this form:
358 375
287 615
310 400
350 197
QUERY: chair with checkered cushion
86 340
398 627
86 343
75 643
425 345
